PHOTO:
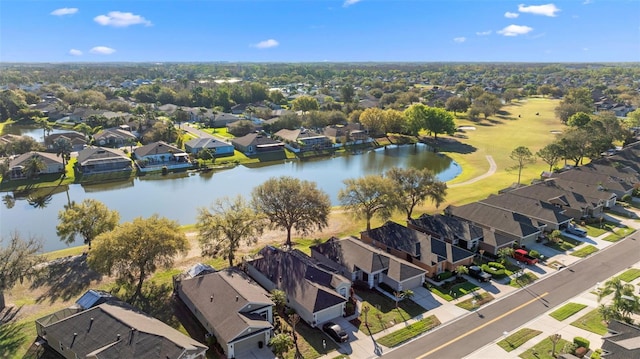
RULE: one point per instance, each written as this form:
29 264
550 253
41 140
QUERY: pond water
178 196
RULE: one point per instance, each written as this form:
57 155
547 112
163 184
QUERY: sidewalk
363 346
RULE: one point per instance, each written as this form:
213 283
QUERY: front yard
452 290
476 302
592 322
518 338
382 312
409 332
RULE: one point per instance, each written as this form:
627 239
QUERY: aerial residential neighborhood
337 179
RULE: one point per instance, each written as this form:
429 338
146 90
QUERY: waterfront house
154 156
100 160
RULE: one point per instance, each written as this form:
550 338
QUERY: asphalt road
472 332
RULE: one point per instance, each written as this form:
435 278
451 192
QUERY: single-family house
622 341
360 261
19 166
316 294
114 137
520 228
302 140
617 179
82 114
101 159
629 156
216 147
449 229
347 134
231 307
256 143
222 119
421 249
78 140
551 216
154 156
114 329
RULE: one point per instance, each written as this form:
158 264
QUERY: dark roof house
99 159
254 143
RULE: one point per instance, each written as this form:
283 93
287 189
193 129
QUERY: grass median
518 338
567 310
409 332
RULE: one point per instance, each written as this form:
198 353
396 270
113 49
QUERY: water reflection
179 195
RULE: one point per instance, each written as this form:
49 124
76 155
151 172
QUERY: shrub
494 272
581 342
444 275
596 354
387 288
534 253
626 198
496 265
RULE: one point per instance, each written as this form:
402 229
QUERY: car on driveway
477 273
576 231
336 332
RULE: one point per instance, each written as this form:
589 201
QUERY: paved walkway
492 169
364 346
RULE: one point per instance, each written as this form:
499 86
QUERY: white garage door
329 313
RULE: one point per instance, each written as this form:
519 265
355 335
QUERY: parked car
336 332
577 231
477 273
522 255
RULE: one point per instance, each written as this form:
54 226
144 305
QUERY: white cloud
511 15
546 10
483 33
460 39
350 2
515 30
75 52
266 44
121 19
102 50
64 11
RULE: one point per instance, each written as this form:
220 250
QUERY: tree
550 154
279 298
374 120
456 104
522 155
135 250
368 196
487 104
18 260
460 270
305 103
290 203
579 119
228 224
280 344
43 122
394 121
347 92
88 219
624 303
439 120
504 253
415 186
63 147
566 110
33 166
416 116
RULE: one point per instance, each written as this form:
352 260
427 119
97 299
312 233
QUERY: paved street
473 334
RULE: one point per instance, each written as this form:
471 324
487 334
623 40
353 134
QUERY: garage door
412 283
329 313
248 344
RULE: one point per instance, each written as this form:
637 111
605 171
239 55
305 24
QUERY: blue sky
320 30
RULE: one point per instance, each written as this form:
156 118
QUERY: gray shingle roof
93 155
530 207
156 148
117 330
225 299
501 219
295 274
447 227
206 143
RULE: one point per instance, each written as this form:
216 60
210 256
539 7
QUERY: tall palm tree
33 166
63 148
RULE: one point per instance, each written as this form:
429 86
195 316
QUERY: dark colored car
336 332
477 273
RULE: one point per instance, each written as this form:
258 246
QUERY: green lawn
382 310
409 332
584 251
618 234
592 322
454 291
524 279
518 338
567 310
617 231
629 275
564 244
480 299
544 349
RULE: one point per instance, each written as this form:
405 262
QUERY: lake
178 196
